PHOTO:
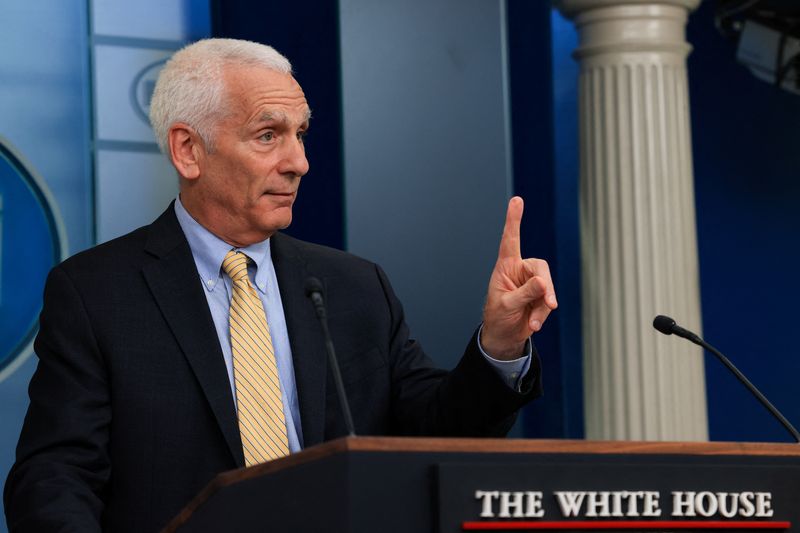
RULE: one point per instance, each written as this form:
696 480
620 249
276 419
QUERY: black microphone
667 326
314 292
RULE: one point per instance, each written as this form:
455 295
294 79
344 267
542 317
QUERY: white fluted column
637 220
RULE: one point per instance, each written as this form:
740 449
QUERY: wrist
505 353
500 348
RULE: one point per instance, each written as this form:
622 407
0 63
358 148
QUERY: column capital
618 28
571 8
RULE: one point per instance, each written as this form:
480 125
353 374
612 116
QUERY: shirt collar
209 250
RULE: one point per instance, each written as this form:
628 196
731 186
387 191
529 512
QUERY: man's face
248 183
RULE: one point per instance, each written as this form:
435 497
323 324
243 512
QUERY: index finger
509 243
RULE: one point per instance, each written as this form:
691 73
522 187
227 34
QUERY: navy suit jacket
131 411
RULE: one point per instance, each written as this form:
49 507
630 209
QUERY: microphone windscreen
313 285
664 324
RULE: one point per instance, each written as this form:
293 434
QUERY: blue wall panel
428 155
747 165
565 220
44 111
544 132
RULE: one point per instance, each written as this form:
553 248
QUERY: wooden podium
372 484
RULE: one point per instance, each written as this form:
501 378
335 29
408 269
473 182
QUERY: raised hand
520 295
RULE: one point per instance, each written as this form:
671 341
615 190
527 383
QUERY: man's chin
275 223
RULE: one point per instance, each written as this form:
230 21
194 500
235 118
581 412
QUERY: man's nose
294 160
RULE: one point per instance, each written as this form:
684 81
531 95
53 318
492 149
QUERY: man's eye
268 136
301 135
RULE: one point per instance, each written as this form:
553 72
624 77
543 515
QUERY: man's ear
185 150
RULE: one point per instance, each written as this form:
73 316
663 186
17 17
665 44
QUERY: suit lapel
173 280
305 336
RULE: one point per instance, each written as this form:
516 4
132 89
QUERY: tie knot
235 265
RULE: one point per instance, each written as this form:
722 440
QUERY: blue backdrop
747 164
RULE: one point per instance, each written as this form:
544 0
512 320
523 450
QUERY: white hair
191 87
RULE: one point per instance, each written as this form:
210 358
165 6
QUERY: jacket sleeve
62 462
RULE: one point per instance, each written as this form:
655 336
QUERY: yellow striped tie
258 388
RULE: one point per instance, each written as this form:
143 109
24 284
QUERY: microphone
313 289
667 326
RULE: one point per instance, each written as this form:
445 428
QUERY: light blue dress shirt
209 251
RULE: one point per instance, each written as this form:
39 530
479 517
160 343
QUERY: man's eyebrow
271 116
279 116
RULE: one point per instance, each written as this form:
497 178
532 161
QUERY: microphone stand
667 326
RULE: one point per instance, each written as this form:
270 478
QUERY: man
188 347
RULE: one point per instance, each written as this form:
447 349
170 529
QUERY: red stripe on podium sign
507 526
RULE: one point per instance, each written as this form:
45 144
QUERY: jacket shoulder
130 251
320 259
124 250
